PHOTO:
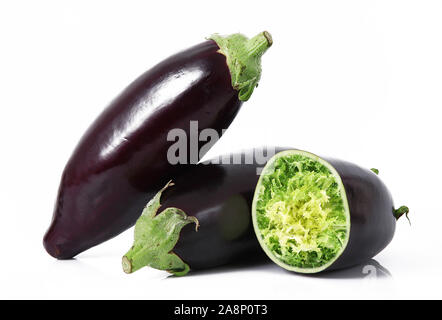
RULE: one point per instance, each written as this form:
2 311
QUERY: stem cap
244 59
155 238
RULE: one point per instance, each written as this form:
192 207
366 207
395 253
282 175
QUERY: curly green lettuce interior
300 212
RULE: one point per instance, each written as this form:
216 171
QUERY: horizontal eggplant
313 214
214 198
122 159
222 200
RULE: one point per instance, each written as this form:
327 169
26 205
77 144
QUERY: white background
358 80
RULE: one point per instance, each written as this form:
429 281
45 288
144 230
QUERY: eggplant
312 214
123 158
216 200
223 213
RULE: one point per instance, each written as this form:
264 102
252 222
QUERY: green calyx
244 59
300 212
155 237
399 212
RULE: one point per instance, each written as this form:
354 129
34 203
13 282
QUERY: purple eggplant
313 214
123 158
216 199
335 213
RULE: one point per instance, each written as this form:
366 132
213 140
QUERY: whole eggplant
122 159
216 199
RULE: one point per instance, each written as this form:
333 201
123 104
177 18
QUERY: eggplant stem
399 212
127 265
375 170
243 56
155 237
259 44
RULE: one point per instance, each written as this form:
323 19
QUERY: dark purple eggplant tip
49 243
55 245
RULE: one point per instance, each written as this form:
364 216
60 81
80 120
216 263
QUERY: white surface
358 80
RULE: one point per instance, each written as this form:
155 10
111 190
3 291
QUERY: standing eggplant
308 214
122 159
312 214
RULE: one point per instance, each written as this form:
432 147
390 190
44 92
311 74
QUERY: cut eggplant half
312 214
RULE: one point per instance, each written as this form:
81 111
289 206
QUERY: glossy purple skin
220 197
372 223
121 161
